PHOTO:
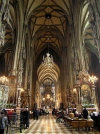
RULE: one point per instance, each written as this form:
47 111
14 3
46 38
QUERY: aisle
48 125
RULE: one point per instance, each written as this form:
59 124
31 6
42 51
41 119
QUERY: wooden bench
82 124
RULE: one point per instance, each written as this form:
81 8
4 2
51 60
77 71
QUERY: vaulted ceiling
51 72
45 14
47 22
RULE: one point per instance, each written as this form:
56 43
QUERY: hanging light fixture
4 80
48 60
48 96
93 79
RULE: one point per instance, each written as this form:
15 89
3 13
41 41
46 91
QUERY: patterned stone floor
48 125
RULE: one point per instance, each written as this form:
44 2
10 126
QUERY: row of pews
77 123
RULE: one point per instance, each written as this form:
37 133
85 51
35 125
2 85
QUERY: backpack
1 124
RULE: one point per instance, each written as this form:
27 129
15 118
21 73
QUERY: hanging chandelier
93 79
48 60
4 80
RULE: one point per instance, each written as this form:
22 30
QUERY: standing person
74 111
10 113
3 122
85 113
14 116
26 117
21 119
35 114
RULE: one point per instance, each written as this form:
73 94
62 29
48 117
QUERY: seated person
85 113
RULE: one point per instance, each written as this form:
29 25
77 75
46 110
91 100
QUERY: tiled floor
48 125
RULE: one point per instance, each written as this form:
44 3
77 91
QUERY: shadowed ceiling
46 23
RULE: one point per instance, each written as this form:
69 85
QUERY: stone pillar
2 34
19 83
3 16
93 95
32 80
79 94
63 74
94 18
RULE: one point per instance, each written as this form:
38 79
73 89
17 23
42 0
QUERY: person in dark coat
85 113
26 118
35 114
3 122
14 117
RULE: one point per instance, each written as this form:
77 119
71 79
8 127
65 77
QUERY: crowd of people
39 112
72 112
8 117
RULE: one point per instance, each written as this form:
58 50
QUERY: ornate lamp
48 60
93 79
4 80
48 96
